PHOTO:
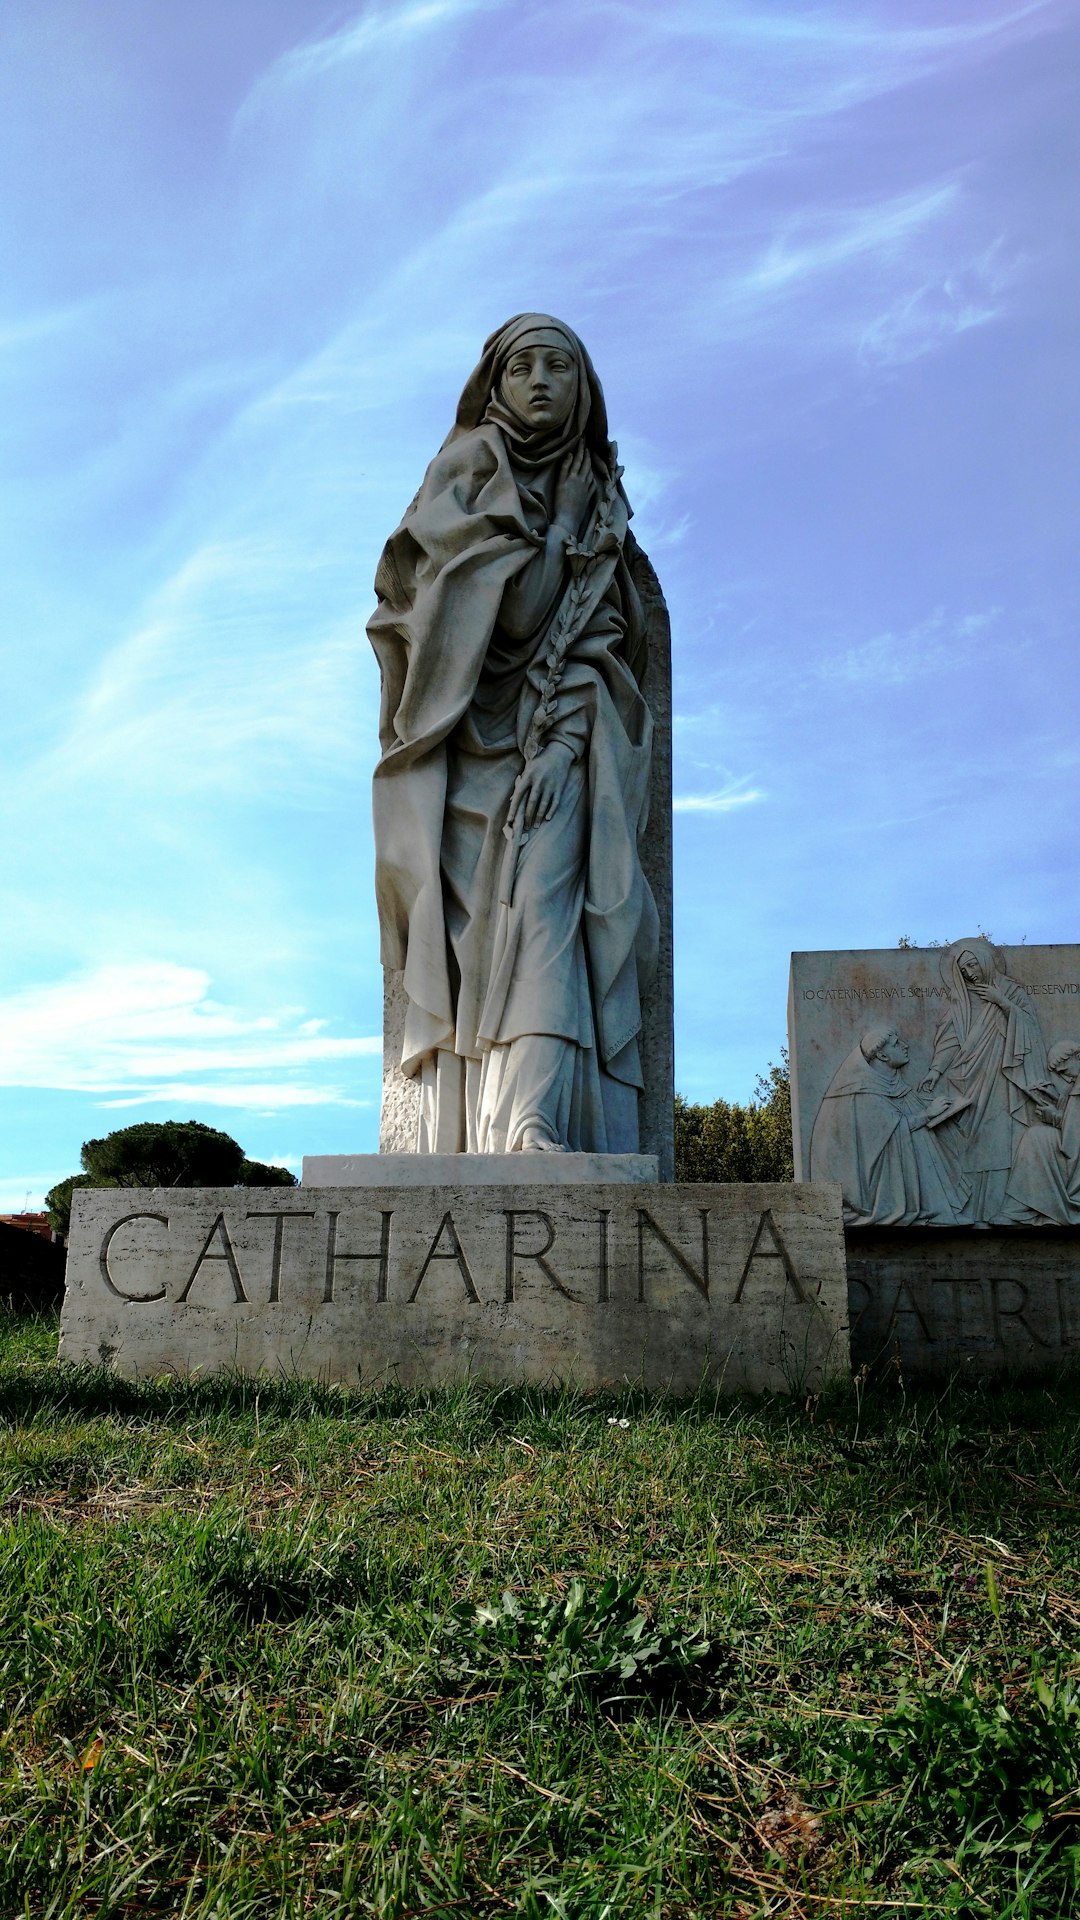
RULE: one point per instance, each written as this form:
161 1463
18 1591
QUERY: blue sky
825 260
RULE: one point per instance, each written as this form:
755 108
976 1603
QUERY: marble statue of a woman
513 783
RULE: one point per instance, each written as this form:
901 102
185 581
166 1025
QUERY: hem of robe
540 1083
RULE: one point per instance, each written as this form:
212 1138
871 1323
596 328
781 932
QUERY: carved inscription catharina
368 1241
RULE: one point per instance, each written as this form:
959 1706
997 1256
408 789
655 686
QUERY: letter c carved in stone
103 1257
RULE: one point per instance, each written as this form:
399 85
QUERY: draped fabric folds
523 996
991 1053
869 1135
1044 1184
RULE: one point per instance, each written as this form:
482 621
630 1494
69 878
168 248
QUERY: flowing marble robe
523 988
1044 1184
994 1058
866 1138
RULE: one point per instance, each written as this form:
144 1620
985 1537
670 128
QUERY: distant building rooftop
33 1222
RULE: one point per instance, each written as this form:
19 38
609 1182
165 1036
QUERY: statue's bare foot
533 1141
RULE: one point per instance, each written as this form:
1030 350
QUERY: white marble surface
530 1017
477 1169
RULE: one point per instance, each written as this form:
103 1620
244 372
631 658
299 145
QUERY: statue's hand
575 490
540 786
987 992
930 1082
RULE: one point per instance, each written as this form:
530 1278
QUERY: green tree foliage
728 1142
162 1153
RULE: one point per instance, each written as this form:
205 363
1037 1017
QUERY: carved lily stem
569 619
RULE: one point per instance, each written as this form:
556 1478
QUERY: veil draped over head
530 448
991 962
857 1074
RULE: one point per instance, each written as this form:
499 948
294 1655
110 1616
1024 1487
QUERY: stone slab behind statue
401 1098
837 998
595 1284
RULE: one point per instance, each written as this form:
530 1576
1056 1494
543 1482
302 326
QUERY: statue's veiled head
972 962
535 381
971 967
1064 1059
539 380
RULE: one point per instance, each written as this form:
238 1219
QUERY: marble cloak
1044 1184
440 583
994 1058
890 1175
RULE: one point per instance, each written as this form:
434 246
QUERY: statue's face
893 1050
540 382
968 964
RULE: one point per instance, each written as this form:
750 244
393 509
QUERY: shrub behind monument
728 1142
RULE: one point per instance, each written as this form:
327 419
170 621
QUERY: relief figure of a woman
990 1053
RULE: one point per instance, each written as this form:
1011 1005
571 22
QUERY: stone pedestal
478 1169
598 1284
939 1303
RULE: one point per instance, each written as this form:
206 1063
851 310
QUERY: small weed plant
578 1647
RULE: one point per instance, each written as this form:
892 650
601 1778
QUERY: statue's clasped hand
986 992
540 787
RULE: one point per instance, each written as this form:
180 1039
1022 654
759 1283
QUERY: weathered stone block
938 1303
601 1284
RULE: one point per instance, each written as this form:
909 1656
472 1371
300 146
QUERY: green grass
757 1658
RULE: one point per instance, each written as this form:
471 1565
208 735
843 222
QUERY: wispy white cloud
612 151
941 641
844 31
727 800
927 317
821 242
123 1028
242 666
45 324
815 289
262 1097
204 695
388 27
